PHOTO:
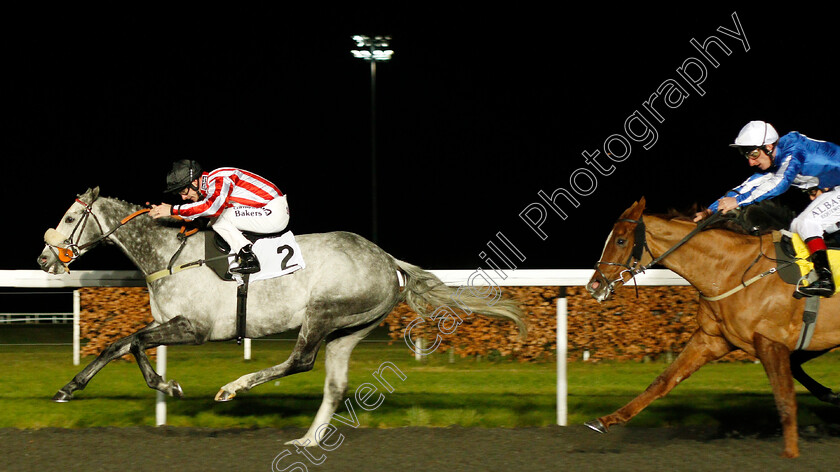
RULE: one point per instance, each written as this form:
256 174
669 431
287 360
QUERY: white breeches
272 218
822 215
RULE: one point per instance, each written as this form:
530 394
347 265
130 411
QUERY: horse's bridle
69 250
632 264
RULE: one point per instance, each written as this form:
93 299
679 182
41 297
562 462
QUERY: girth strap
809 320
241 307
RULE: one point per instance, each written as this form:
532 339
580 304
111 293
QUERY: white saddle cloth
278 256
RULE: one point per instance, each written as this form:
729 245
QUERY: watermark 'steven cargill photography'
639 128
368 398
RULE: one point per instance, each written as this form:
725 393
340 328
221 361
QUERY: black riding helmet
182 175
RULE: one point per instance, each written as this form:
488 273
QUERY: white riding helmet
756 134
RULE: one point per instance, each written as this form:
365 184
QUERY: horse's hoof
62 397
301 442
596 425
175 389
790 454
831 398
224 396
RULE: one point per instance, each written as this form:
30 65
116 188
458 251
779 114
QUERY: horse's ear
90 195
641 207
635 210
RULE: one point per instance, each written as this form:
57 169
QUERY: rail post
160 402
562 334
77 308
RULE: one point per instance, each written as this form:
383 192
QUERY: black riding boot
246 262
824 286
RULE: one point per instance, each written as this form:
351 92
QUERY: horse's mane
757 219
121 202
119 209
728 224
115 208
672 215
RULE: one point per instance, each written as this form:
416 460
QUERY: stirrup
817 289
244 268
245 262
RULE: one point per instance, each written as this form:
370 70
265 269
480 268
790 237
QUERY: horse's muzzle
57 253
600 290
49 262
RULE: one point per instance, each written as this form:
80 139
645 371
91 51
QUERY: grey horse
349 285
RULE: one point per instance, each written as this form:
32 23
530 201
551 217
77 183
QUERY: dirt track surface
402 449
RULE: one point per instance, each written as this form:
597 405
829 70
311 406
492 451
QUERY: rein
67 250
640 246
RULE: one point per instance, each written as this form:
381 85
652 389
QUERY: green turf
435 392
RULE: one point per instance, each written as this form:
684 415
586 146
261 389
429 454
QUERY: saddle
279 255
792 258
215 248
795 268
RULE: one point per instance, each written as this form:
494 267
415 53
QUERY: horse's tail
423 290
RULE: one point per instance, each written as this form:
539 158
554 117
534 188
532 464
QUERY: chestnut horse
763 318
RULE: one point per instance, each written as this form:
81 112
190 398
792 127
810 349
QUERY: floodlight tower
373 50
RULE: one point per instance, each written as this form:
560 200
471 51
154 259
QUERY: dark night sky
476 113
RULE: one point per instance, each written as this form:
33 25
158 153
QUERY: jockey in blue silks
794 159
